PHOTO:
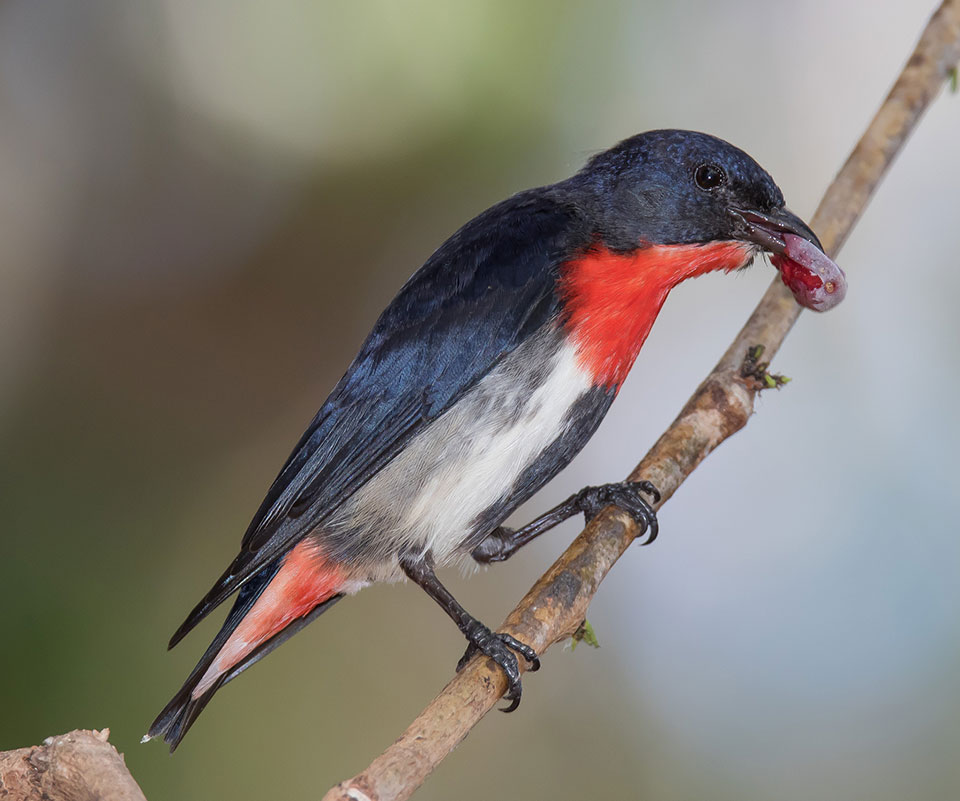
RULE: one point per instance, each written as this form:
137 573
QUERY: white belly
431 495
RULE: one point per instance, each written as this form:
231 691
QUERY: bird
481 380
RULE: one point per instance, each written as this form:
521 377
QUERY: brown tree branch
556 605
79 766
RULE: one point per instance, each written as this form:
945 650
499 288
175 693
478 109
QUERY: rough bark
78 766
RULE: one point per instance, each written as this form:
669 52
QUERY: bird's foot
626 495
498 647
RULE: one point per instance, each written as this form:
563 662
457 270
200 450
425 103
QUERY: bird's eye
709 176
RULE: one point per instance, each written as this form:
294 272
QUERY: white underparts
429 497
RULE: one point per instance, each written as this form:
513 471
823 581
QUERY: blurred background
203 208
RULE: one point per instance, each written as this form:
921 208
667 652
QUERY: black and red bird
481 380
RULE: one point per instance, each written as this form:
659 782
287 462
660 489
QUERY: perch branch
78 766
556 605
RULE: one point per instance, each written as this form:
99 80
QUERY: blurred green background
204 206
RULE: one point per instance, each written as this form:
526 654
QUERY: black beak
767 230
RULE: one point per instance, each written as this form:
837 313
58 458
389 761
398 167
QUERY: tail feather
216 596
272 606
177 716
280 637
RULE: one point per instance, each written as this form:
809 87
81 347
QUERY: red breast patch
612 299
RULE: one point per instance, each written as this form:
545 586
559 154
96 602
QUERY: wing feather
481 294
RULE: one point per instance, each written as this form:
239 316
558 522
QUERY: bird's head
672 187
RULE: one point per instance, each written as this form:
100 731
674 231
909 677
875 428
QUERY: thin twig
556 605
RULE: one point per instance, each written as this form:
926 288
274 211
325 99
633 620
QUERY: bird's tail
270 608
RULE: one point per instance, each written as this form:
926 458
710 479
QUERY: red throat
611 299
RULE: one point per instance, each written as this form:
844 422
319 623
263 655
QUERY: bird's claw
498 647
628 496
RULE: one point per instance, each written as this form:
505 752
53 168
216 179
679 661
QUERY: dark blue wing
481 294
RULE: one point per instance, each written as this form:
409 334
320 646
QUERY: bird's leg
419 569
503 542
